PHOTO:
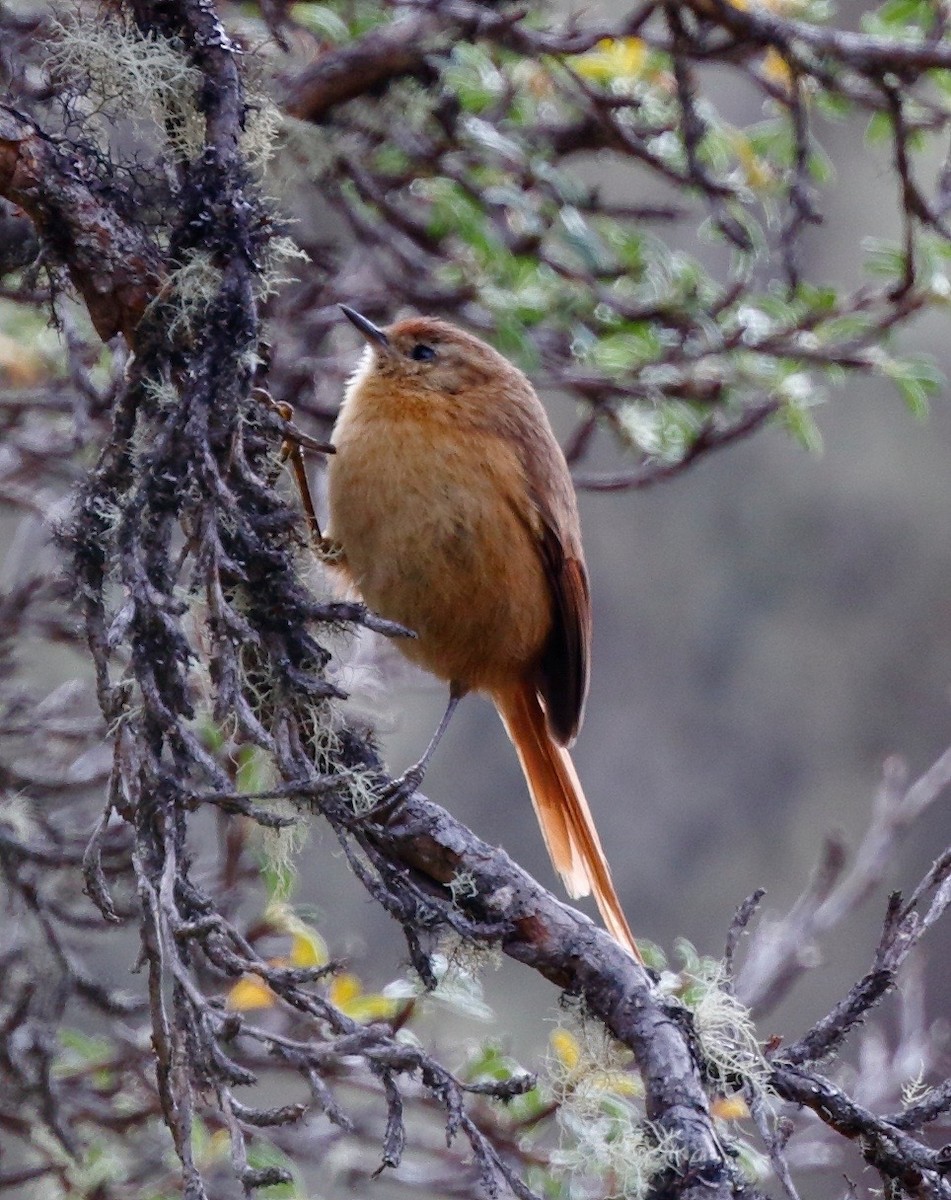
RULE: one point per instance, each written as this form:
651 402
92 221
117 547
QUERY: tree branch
113 266
577 956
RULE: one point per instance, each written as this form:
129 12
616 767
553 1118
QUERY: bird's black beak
373 333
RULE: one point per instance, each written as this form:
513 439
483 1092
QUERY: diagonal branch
375 60
112 264
563 945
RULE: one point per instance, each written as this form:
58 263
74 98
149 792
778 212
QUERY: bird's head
429 355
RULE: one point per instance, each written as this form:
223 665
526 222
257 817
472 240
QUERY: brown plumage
454 514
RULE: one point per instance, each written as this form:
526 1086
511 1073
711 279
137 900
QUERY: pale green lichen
280 251
915 1089
463 886
469 958
587 1062
615 1145
458 986
16 813
162 395
115 71
107 512
188 293
280 847
604 1132
190 290
723 1025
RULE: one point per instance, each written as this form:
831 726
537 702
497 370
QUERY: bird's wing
563 668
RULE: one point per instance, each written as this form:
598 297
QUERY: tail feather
562 810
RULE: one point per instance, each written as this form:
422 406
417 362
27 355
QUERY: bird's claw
392 798
329 551
401 789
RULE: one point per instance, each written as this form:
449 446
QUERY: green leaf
80 1052
652 954
879 128
688 954
583 239
473 77
941 78
253 774
264 1155
833 106
321 20
800 422
917 381
900 17
884 258
629 347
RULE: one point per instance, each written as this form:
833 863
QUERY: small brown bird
453 513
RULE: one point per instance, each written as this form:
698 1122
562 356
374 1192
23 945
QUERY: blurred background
770 626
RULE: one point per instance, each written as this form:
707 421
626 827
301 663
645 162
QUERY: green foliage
917 379
321 20
676 344
909 20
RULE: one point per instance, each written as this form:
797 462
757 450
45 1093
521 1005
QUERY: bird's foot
401 789
329 551
393 796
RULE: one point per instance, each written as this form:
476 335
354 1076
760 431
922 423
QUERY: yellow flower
250 992
308 949
776 68
757 171
730 1108
346 993
566 1048
612 58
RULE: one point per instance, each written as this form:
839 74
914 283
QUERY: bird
452 512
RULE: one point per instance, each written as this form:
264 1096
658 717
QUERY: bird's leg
401 789
292 451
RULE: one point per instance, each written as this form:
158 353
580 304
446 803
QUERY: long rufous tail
562 810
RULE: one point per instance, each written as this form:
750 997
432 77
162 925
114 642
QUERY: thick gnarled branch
112 264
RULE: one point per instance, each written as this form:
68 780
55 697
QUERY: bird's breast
437 530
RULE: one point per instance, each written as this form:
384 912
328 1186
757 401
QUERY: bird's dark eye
422 353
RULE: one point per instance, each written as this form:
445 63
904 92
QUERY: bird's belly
432 539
